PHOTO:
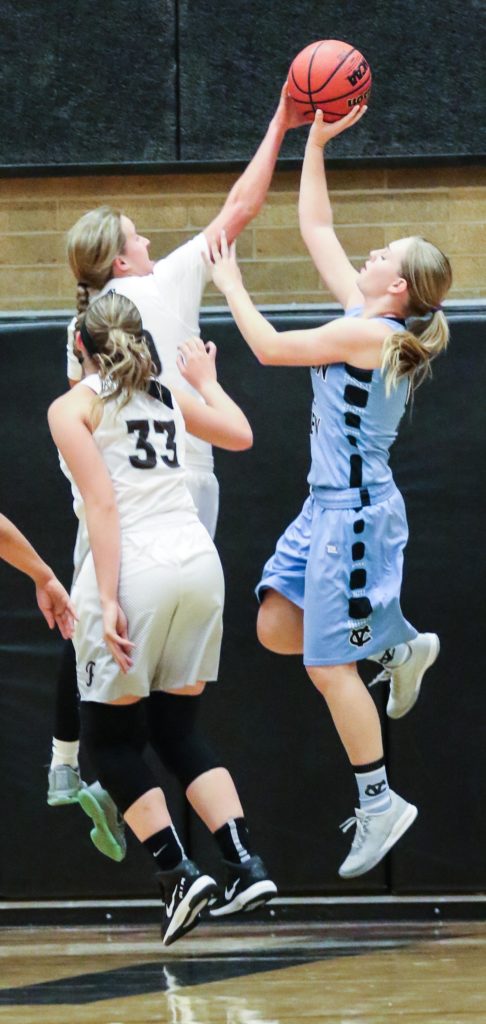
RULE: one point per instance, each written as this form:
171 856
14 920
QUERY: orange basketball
331 76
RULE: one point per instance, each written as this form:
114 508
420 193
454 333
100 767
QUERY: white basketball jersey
143 447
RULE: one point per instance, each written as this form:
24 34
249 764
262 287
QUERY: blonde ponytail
120 351
410 353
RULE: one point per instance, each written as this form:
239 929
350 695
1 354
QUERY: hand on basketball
223 267
56 607
288 111
115 628
197 362
321 131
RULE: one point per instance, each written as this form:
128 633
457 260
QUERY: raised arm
52 598
248 194
354 340
218 419
315 213
71 424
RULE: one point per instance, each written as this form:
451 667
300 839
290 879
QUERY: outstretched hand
288 111
115 628
197 362
223 265
56 607
321 131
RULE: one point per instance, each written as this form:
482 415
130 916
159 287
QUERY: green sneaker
64 786
108 834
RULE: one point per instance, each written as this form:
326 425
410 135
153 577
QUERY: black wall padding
154 82
271 726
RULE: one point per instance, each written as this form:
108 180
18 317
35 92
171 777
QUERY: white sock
64 753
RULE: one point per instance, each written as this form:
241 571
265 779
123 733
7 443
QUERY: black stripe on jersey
355 471
359 607
357 580
358 525
161 393
365 376
355 396
357 551
351 419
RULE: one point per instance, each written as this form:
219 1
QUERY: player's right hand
115 628
321 131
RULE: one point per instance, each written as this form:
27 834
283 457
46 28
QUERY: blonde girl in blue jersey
332 588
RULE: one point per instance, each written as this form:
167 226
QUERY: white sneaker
375 835
406 679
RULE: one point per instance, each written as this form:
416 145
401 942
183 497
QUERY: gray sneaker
406 680
64 786
108 834
375 835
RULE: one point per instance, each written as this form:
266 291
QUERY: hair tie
436 309
87 339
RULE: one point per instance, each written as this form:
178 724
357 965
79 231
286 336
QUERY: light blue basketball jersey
354 423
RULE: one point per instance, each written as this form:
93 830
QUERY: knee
176 736
114 737
280 624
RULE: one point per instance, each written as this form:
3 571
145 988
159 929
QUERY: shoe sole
255 896
186 917
404 821
63 799
101 835
432 657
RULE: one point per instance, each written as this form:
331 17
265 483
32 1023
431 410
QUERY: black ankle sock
165 848
233 840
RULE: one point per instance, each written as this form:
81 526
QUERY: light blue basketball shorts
343 567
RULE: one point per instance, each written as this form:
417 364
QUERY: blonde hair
94 241
120 352
409 353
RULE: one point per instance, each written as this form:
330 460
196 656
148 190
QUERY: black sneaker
185 892
247 887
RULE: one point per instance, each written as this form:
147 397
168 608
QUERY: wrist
42 574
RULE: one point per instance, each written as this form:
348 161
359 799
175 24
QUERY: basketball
331 76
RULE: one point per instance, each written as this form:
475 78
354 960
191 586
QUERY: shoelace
361 829
385 676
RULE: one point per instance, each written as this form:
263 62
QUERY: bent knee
279 624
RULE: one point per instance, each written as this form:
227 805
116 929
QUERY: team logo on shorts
90 667
360 635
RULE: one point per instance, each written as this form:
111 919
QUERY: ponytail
117 345
409 353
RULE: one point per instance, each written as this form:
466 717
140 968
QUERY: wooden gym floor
334 973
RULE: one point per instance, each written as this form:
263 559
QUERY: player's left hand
56 607
321 131
223 267
197 362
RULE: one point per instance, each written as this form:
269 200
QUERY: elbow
242 441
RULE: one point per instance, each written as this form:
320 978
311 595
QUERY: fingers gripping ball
331 76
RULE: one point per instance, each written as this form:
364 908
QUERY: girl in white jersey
106 251
332 588
150 598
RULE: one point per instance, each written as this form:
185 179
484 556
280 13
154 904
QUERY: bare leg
214 798
148 815
352 709
280 624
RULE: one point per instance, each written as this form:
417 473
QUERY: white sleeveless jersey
168 301
143 446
